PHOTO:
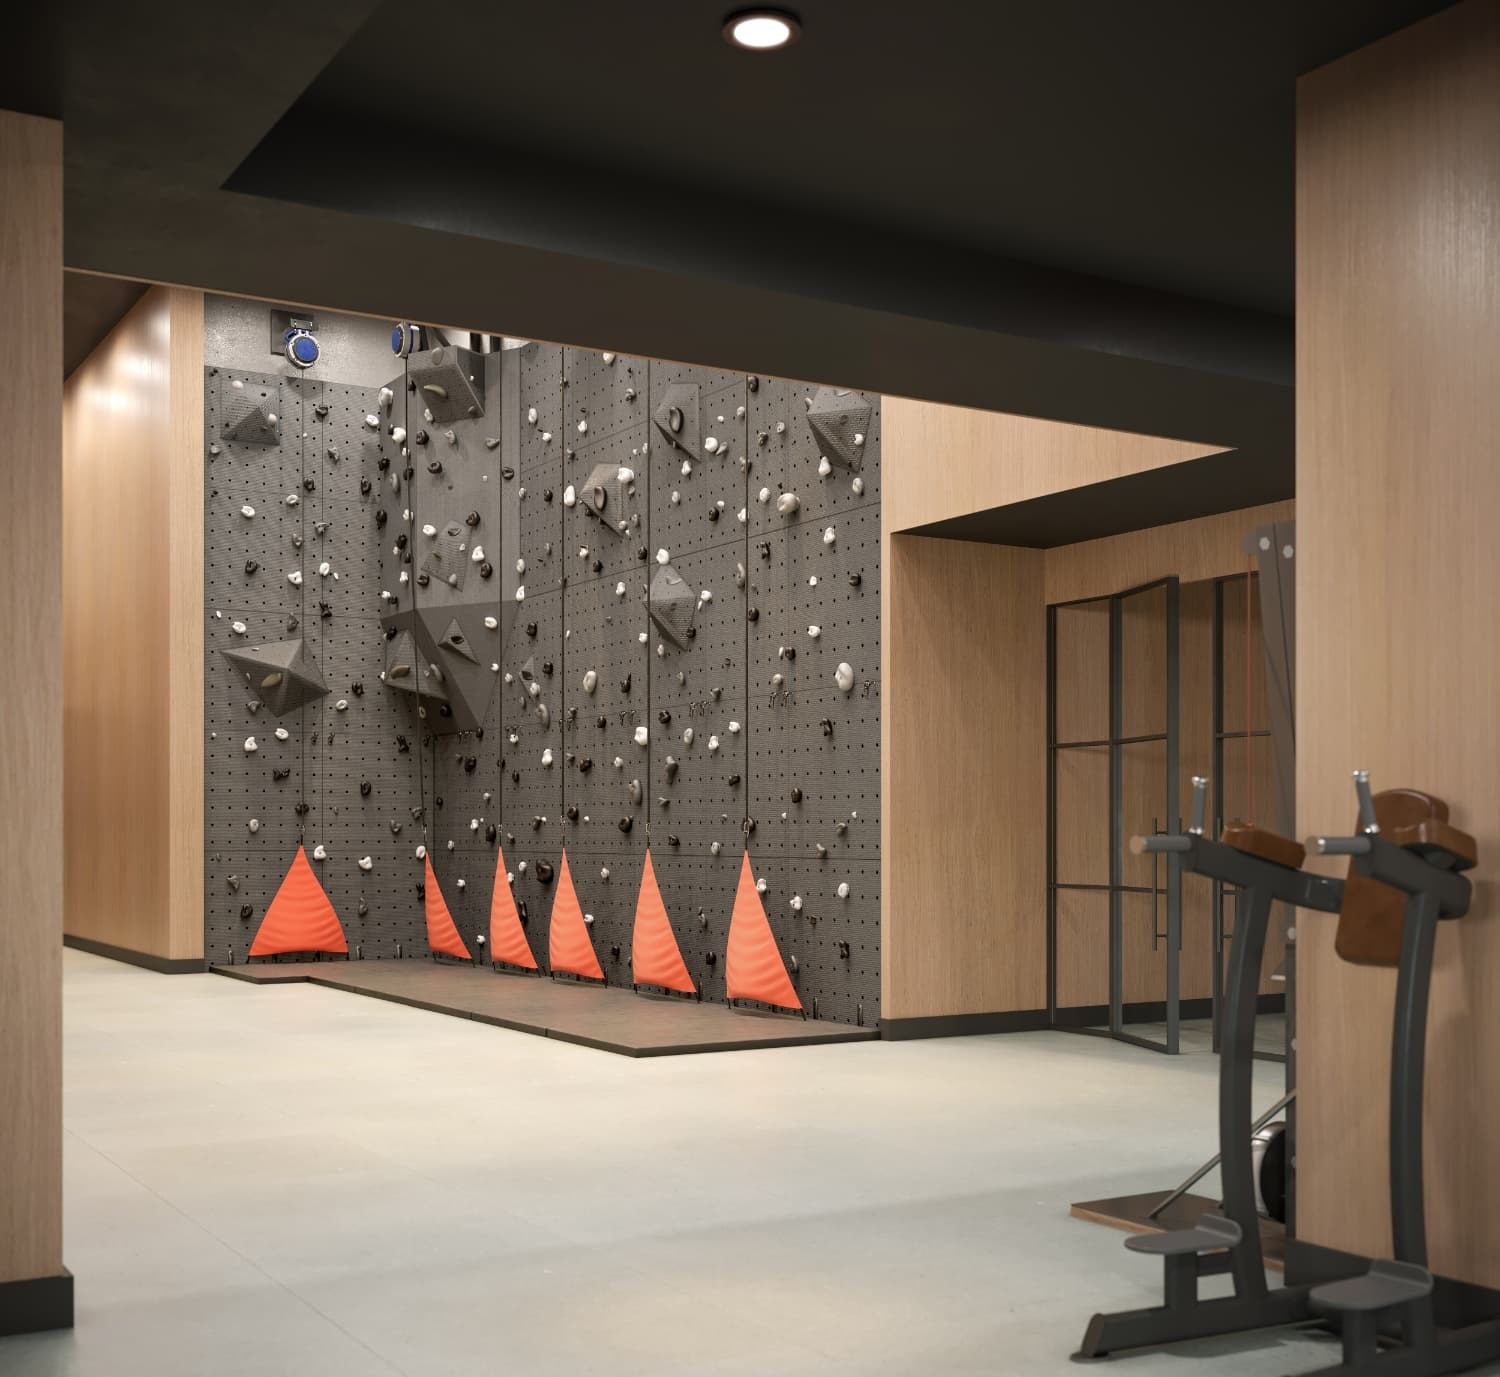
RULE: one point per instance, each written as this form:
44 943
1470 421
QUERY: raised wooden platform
613 1020
1131 1213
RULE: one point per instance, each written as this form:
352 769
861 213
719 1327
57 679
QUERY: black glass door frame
1116 742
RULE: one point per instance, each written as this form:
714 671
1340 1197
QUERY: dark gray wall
571 620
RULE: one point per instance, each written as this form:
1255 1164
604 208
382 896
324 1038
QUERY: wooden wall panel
1206 548
954 460
963 749
132 631
1398 637
31 720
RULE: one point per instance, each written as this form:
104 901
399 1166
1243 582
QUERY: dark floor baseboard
1036 1020
162 965
1457 1303
40 1303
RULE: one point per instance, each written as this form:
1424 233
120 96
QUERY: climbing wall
615 602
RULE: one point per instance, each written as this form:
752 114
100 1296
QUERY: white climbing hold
761 886
687 736
478 555
295 578
814 632
764 495
588 920
546 437
711 444
625 475
687 468
248 512
812 580
796 903
473 824
292 499
547 758
325 568
843 889
373 422
251 745
387 398
607 357
429 529
282 734
619 763
604 872
662 557
858 485
521 593
715 847
365 863
843 676
421 853
741 516
491 624
570 496
859 441
320 852
824 467
583 427
620 590
239 628
531 415
398 434
342 705
734 729
676 498
590 680
829 535
462 883
713 743
642 736
788 503
254 825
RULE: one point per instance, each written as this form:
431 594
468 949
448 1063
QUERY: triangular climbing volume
301 916
442 932
507 937
753 968
569 948
655 958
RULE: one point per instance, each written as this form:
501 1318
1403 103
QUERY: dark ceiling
92 307
1067 209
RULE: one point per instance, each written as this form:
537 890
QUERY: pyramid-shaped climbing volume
569 948
753 968
442 932
507 937
655 958
301 916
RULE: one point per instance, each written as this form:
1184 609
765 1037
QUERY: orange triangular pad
655 958
507 937
753 968
301 916
568 946
442 932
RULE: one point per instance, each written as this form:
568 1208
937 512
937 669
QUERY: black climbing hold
380 516
420 437
614 953
753 383
664 717
383 463
585 765
325 611
391 633
753 614
712 958
364 487
572 812
407 473
357 689
642 553
364 788
598 566
625 684
521 912
437 802
546 494
844 950
320 411
796 795
547 668
421 889
423 579
827 725
531 630
436 466
292 624
472 519
734 781
402 744
673 840
544 872
626 824
246 912
364 908
601 721
279 775
486 569
302 809
308 485
855 580
765 549
507 473
470 763
251 566
791 652
515 776
713 513
401 541
489 832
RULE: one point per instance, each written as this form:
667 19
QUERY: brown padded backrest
1372 915
1269 846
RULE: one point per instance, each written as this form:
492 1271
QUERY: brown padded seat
1269 846
1373 915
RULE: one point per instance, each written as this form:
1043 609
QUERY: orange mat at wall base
507 937
655 958
753 968
570 951
301 916
442 932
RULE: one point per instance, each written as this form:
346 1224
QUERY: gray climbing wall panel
744 718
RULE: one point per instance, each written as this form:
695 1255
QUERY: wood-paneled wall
959 460
964 677
31 723
1398 636
133 632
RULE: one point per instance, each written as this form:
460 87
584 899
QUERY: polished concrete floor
291 1181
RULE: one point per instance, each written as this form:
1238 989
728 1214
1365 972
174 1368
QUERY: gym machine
1405 876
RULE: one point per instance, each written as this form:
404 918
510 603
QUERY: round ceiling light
761 30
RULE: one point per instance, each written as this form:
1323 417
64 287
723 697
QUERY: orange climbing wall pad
507 937
655 958
301 916
442 933
569 948
753 968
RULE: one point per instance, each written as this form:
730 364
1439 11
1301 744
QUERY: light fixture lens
760 30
